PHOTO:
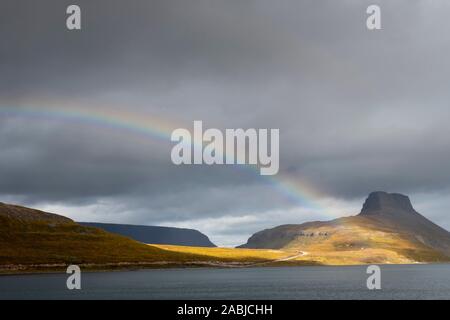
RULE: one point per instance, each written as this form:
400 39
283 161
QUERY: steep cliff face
156 235
387 203
387 229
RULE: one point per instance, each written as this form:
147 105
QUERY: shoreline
20 270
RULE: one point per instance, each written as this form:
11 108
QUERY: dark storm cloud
358 111
71 163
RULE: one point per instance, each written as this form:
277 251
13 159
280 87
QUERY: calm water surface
398 282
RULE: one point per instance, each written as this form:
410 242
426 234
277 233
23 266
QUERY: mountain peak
383 202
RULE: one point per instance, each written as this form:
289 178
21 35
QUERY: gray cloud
358 111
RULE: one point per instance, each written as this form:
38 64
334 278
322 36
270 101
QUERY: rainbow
157 128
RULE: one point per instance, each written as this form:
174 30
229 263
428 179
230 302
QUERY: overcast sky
357 110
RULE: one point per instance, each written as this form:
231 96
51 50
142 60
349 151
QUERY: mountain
156 235
36 240
387 230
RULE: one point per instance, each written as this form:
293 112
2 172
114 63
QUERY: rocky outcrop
383 202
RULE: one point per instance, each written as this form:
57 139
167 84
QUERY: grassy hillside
30 238
342 242
387 230
352 240
41 242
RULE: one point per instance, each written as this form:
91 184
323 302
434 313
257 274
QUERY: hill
156 235
387 230
35 240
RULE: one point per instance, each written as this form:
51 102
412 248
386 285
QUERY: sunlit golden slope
388 230
231 254
32 240
346 244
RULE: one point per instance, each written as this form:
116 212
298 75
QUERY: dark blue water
397 281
